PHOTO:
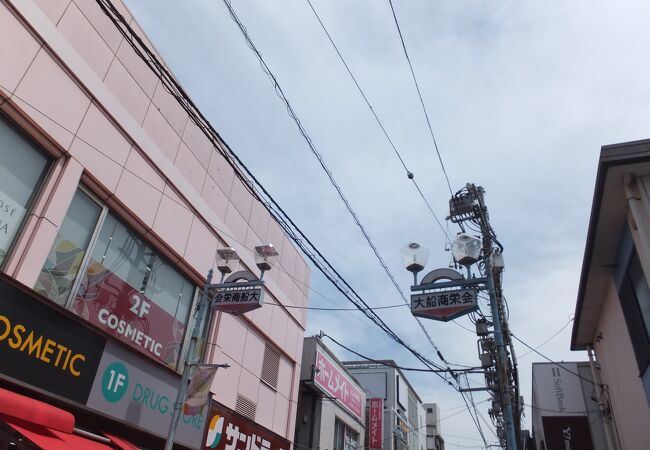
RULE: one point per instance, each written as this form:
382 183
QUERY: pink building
113 202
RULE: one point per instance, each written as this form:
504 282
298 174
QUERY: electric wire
287 224
387 363
554 362
417 87
319 157
409 174
549 339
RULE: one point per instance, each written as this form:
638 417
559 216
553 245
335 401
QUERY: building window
345 438
67 254
105 273
22 169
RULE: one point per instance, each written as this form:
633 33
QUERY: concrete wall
620 372
70 80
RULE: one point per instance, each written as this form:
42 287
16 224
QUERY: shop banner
228 430
567 433
375 423
333 380
114 306
42 347
198 392
139 391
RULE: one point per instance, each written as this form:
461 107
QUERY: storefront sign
136 390
237 299
334 381
227 430
567 433
107 301
42 347
375 423
444 305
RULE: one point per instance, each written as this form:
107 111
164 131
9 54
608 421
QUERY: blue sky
521 96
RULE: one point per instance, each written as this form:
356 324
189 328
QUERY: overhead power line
257 189
389 364
280 93
409 174
417 87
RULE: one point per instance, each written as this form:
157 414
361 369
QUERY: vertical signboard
42 347
333 380
132 388
227 430
375 423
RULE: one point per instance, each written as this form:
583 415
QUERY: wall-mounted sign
444 305
114 306
333 380
227 430
237 299
375 423
138 391
402 430
42 347
558 391
567 433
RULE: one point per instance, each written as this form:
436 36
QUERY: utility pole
468 206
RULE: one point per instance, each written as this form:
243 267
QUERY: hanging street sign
445 300
241 292
444 305
237 300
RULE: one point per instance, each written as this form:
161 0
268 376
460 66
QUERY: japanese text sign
444 305
334 381
375 422
228 430
236 299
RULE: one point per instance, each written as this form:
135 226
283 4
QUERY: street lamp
414 257
466 249
265 257
227 259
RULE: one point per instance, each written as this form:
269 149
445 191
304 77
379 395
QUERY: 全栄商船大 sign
237 299
444 305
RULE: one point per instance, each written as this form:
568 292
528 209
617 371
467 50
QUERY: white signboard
558 392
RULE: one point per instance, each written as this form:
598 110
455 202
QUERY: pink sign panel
108 302
335 382
375 422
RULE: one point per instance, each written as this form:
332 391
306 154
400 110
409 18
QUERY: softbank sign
558 391
134 389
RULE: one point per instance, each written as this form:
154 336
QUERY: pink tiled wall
69 71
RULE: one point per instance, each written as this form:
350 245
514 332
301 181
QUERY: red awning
51 439
45 425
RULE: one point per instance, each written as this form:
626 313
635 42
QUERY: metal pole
182 391
511 438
